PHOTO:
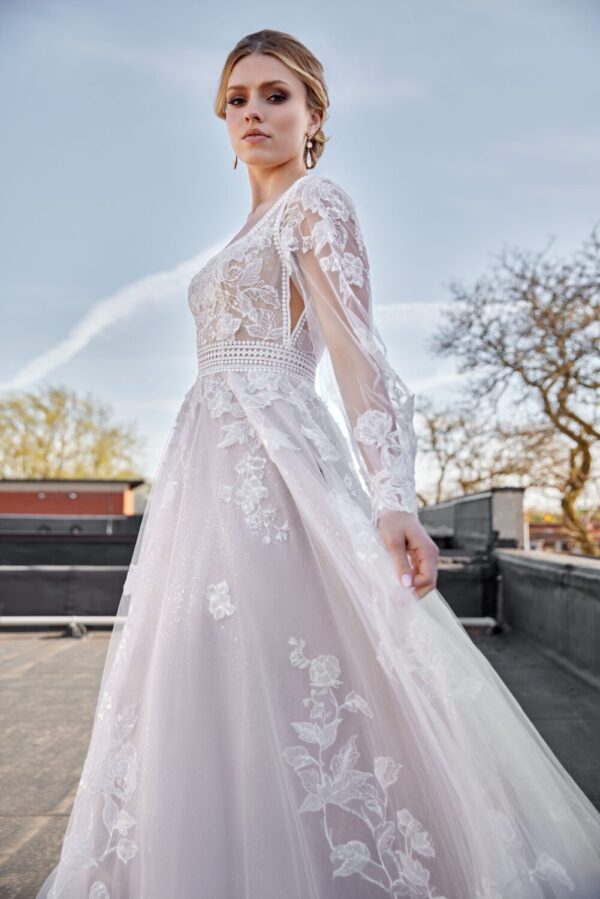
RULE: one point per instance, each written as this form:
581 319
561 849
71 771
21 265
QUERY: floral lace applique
115 779
219 601
320 222
257 389
545 869
248 492
400 840
99 890
435 670
232 297
375 428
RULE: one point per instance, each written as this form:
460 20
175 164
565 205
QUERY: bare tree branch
532 326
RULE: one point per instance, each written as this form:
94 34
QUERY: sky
458 128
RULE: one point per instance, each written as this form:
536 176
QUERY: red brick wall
29 502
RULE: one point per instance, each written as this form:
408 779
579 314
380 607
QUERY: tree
55 433
477 453
533 326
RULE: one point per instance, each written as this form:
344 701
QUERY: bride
289 709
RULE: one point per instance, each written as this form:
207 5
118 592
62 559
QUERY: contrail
159 287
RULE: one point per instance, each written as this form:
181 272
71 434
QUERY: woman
282 714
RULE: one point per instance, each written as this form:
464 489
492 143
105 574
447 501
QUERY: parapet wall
554 599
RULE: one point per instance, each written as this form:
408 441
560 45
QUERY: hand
405 536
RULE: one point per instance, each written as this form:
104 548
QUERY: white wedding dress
278 717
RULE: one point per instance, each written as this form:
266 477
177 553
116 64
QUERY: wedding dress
278 716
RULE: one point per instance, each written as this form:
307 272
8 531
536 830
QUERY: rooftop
48 691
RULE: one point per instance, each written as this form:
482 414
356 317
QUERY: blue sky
457 127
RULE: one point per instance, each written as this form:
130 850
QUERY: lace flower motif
373 427
400 839
113 778
219 602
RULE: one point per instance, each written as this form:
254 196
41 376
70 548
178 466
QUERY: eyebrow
238 87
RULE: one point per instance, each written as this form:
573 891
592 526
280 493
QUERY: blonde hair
296 57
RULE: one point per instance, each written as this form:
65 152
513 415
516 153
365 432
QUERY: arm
322 244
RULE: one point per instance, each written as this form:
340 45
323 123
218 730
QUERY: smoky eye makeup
277 93
278 96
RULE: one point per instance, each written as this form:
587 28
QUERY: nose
251 113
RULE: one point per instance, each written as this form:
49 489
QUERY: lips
255 134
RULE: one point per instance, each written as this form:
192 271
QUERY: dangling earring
235 163
308 152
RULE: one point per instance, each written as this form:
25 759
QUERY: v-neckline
264 215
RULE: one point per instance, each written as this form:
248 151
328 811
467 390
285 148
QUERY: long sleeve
322 245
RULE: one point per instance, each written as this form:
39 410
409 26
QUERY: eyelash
231 102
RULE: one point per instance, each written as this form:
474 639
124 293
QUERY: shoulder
318 212
323 195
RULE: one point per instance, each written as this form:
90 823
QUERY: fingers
425 575
415 553
403 566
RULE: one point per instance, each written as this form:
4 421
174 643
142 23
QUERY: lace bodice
241 294
240 301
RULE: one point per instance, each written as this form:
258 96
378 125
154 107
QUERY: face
263 93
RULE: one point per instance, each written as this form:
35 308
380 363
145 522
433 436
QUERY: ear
314 121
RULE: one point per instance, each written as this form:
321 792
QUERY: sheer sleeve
322 246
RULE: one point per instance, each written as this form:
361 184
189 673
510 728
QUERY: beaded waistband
246 354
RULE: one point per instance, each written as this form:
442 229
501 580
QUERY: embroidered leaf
310 779
125 722
353 857
126 849
355 703
312 803
412 869
110 811
386 771
236 432
385 836
298 757
548 869
310 733
330 733
345 759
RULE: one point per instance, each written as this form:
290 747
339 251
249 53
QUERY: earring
309 152
235 163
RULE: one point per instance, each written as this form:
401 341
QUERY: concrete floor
49 687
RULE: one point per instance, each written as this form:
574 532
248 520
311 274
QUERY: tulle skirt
279 717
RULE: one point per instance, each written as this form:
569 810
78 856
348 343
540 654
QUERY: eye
280 97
